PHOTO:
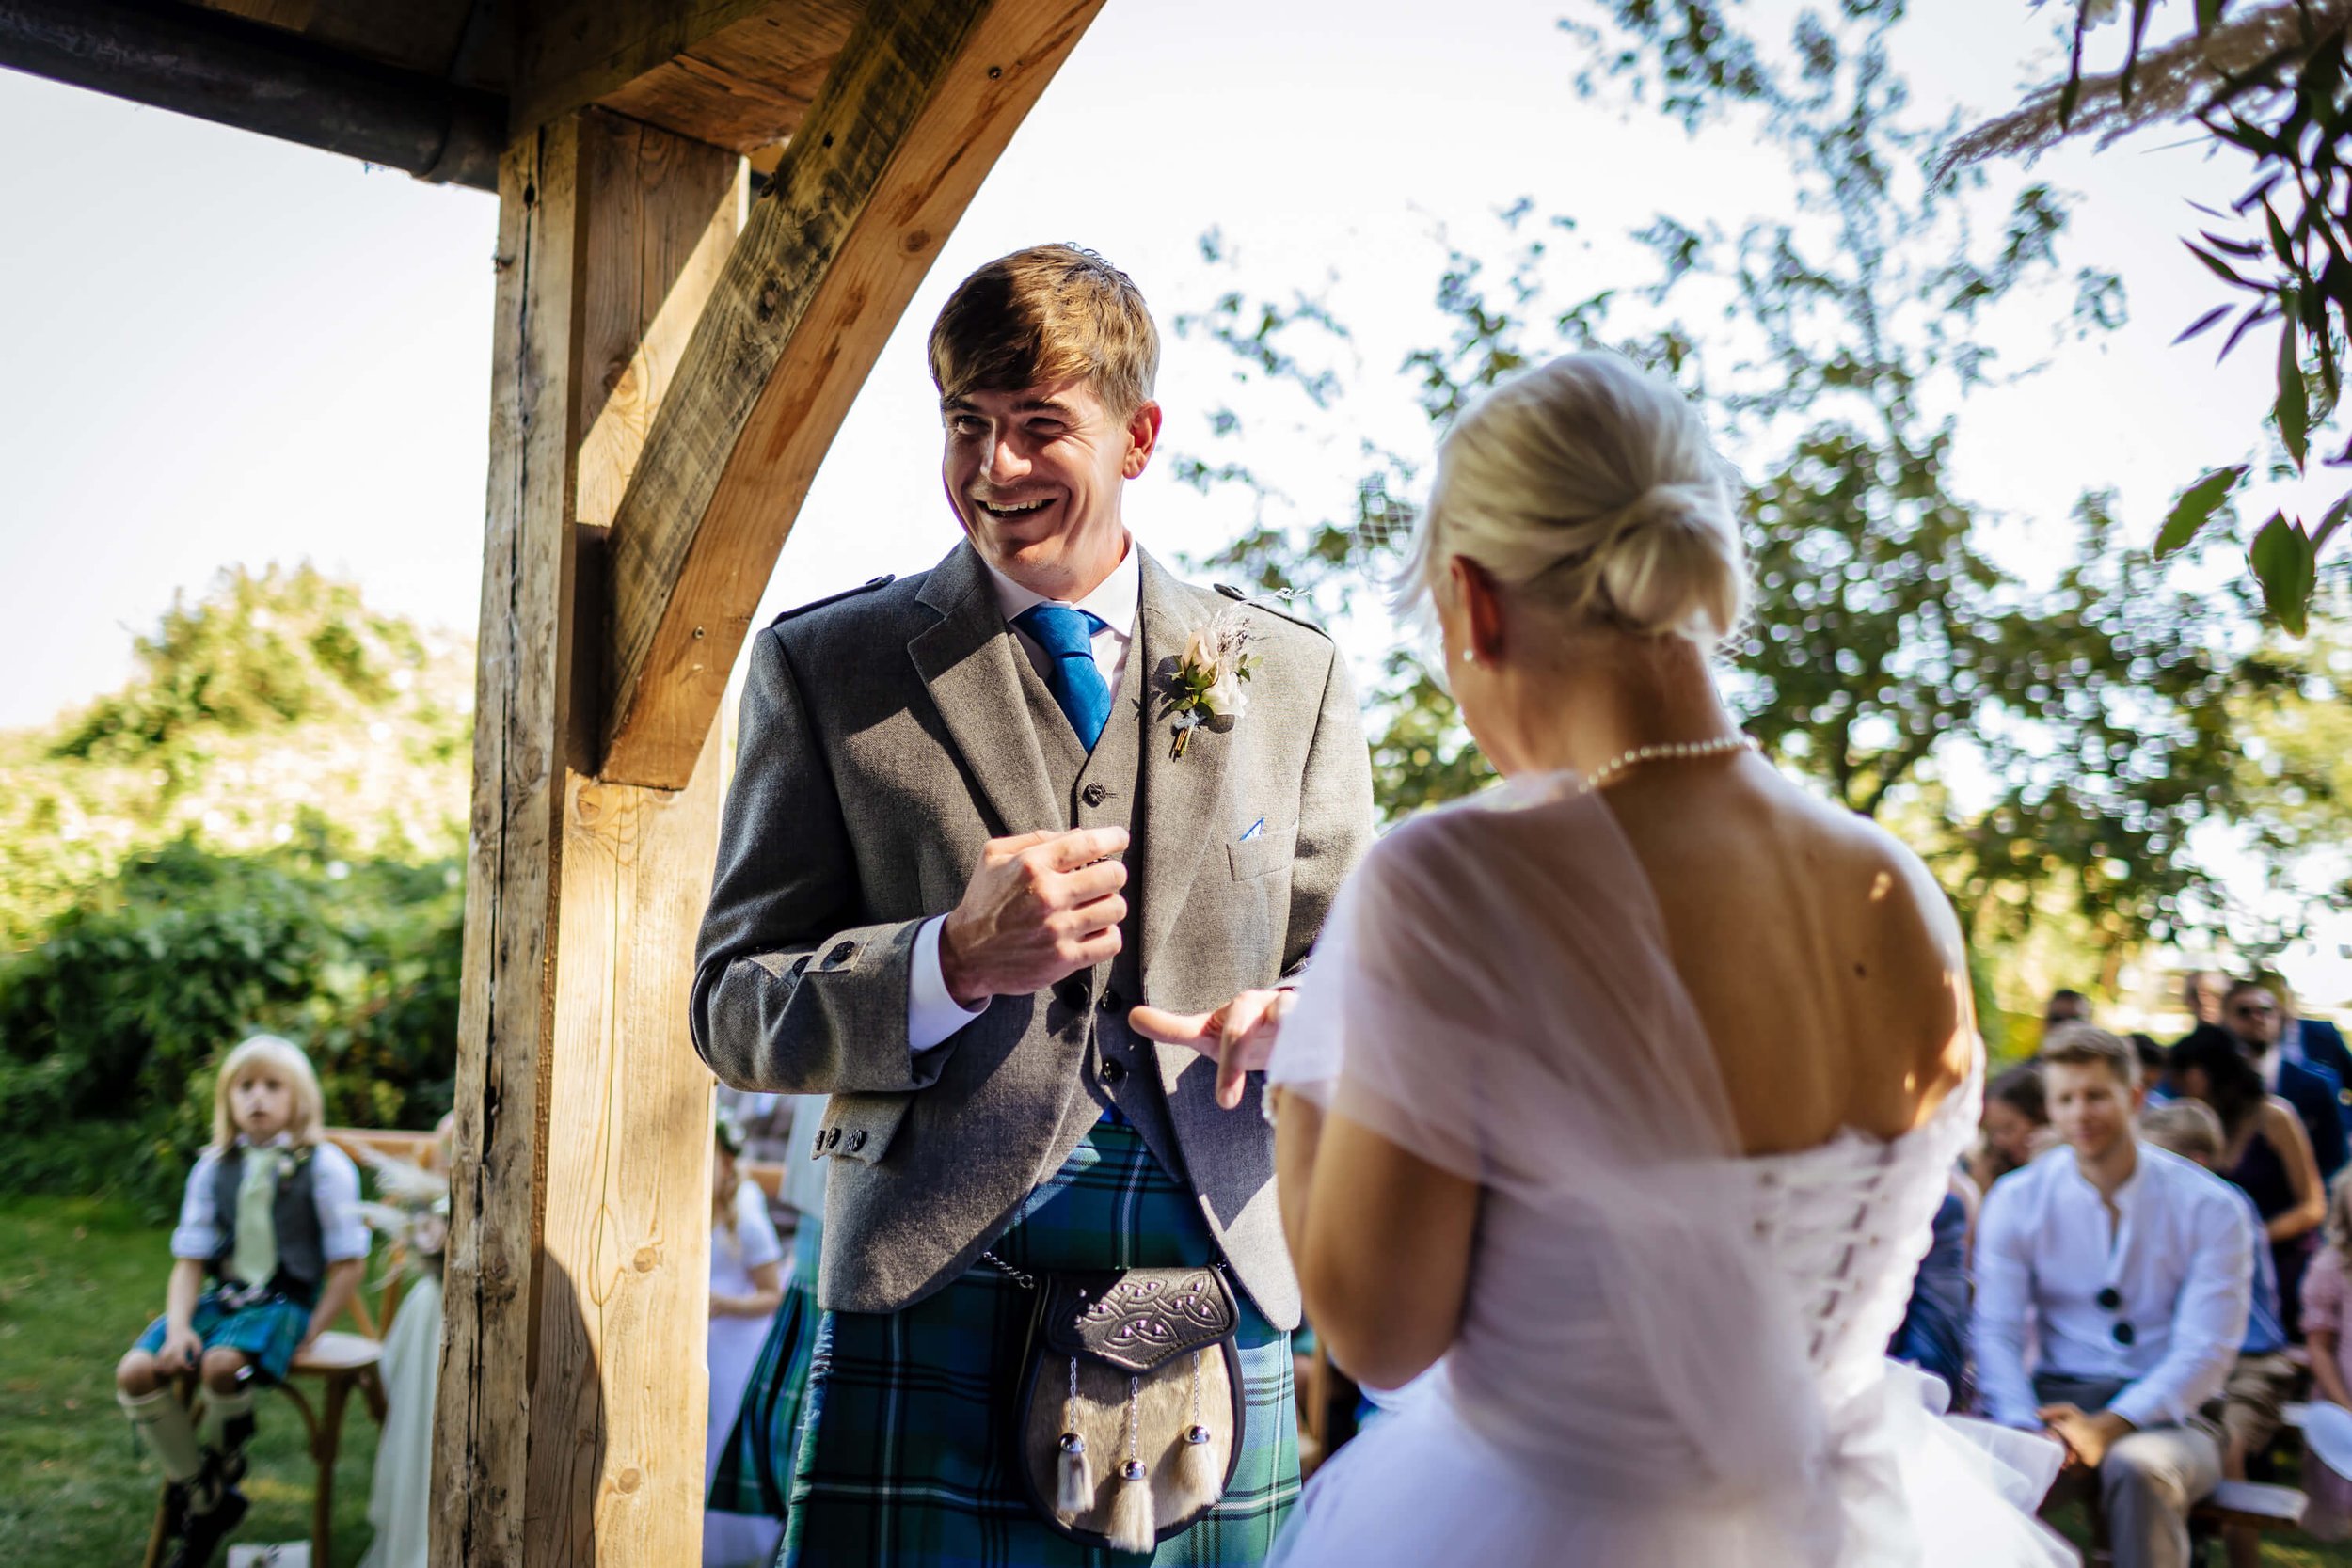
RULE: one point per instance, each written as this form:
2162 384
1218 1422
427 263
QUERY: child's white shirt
334 1189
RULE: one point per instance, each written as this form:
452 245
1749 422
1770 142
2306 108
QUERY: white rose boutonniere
1210 673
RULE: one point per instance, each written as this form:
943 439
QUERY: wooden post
572 1388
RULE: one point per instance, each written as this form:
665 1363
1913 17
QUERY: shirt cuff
932 1014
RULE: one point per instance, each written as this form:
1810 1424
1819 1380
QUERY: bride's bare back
1822 957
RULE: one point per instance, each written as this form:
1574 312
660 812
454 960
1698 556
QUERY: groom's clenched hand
1041 905
1238 1038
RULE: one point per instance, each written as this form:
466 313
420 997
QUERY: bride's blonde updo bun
1589 486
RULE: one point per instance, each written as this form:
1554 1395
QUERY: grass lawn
79 1281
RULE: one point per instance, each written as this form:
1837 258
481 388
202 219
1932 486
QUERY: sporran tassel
1200 1480
1074 1476
1133 1527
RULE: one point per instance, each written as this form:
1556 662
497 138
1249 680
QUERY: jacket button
1112 1001
842 953
1072 993
1114 1072
1094 794
832 1137
857 1139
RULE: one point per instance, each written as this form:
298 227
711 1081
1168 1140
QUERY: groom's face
1034 477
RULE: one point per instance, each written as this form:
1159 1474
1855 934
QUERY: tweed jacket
886 736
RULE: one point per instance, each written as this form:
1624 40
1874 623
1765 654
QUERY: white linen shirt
932 1014
334 1191
2181 1255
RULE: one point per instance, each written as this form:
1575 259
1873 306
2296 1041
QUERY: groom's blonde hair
1042 315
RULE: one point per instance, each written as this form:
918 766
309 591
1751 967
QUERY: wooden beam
569 1422
569 53
481 1454
261 78
747 86
926 96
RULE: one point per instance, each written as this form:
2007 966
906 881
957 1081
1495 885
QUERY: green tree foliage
262 830
2031 737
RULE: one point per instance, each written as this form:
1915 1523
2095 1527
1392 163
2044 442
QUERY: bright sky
227 349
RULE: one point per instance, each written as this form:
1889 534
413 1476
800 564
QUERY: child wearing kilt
271 1217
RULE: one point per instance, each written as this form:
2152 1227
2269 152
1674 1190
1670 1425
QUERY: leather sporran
1131 1402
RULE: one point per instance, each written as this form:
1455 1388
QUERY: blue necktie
1066 636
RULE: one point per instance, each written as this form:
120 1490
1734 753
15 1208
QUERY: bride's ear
1481 604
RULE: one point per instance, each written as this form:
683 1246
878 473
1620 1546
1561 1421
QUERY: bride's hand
1239 1037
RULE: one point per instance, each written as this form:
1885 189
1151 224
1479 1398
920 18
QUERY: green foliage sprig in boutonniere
1209 676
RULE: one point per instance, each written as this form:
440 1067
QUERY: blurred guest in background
2327 1321
746 1286
2014 1128
2253 1401
2264 1151
2253 1016
2065 1006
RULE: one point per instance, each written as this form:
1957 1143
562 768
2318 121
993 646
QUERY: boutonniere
1210 674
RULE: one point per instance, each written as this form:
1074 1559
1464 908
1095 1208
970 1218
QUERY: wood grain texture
569 53
747 86
480 1456
569 1426
621 1350
922 102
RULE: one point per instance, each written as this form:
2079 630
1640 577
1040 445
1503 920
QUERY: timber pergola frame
671 363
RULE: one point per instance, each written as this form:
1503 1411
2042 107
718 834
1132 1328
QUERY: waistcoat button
1094 794
1114 1072
1112 1002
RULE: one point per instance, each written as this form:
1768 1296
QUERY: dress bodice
1847 1223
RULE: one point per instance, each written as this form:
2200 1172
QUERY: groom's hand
1041 905
1239 1037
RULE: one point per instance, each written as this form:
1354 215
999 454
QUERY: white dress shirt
2179 1254
334 1191
933 1014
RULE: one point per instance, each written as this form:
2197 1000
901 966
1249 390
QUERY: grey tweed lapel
1178 794
966 663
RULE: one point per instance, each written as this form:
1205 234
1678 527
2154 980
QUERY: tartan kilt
754 1470
269 1331
907 1453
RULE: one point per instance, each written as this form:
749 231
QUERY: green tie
255 1260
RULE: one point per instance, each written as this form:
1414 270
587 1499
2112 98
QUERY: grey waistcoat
301 1249
1098 791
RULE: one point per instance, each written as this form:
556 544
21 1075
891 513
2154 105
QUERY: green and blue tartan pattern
754 1471
269 1331
907 1453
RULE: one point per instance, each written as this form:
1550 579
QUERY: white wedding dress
1671 1355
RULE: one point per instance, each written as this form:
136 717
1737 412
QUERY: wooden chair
339 1362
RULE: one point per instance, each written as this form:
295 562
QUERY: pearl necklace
1669 751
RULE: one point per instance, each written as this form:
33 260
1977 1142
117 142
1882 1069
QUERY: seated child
272 1215
2327 1318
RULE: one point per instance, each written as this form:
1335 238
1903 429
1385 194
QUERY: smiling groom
979 817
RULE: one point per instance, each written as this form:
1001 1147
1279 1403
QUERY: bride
1615 1110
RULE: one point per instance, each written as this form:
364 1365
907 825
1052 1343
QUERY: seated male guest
2313 1042
2252 1013
2132 1271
